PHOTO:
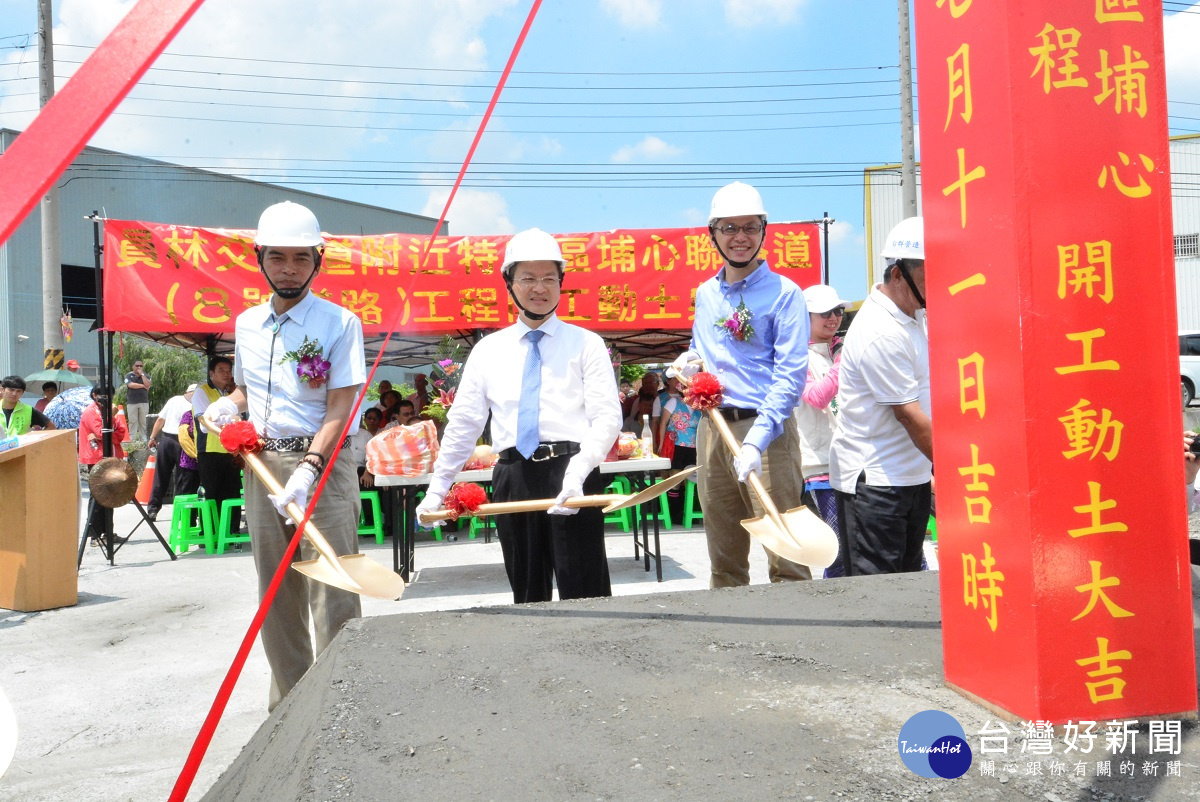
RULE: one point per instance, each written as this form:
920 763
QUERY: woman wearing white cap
816 414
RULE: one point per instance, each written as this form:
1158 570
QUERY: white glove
431 503
222 411
685 366
749 462
570 489
295 490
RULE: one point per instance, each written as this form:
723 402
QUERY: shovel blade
804 539
652 492
355 573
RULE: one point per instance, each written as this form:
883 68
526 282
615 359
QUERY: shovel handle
753 479
531 505
272 484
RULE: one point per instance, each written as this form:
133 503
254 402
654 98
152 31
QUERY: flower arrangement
704 392
240 437
614 356
738 324
463 499
446 374
311 365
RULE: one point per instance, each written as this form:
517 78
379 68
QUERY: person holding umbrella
49 390
19 417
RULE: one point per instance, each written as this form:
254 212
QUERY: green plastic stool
375 526
437 530
691 506
479 524
932 528
663 514
620 486
185 533
225 523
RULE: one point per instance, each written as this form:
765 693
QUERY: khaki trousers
726 501
301 604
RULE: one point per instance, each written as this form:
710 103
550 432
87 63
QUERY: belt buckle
542 448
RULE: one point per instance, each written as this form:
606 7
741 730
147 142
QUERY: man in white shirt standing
881 457
165 437
550 389
300 409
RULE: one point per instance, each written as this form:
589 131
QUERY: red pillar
1066 588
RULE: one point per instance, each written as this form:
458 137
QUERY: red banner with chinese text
173 278
1066 591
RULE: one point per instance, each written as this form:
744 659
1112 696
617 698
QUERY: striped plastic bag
403 450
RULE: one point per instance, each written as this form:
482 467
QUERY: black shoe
152 513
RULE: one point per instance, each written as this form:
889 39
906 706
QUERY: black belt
292 443
168 435
544 451
736 413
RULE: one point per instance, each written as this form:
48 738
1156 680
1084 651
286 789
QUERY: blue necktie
531 391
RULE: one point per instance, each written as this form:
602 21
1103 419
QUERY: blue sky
621 113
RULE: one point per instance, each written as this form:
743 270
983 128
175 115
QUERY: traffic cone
147 482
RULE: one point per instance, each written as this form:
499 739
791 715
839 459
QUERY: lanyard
276 325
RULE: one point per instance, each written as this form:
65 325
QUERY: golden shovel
797 535
610 501
356 573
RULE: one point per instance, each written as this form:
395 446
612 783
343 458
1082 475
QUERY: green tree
171 369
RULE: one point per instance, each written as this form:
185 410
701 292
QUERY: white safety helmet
821 298
531 245
905 241
736 200
288 225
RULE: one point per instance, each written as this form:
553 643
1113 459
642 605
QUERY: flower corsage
311 366
738 324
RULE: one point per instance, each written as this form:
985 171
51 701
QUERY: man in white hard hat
881 457
751 331
552 396
298 367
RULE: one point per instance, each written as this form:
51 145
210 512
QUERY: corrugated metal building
133 188
882 202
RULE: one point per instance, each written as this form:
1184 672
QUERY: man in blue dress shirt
751 331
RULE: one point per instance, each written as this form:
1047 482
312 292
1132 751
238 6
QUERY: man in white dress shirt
552 395
301 422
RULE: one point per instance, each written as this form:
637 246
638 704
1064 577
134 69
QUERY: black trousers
221 480
187 481
166 463
882 529
541 549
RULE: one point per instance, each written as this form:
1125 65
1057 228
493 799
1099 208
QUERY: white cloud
841 232
634 13
474 211
1181 32
752 13
695 217
649 149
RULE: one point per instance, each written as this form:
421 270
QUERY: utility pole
52 336
908 151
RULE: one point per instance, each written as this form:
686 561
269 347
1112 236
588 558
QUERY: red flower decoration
240 437
705 392
464 498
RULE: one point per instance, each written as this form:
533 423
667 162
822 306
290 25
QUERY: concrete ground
109 694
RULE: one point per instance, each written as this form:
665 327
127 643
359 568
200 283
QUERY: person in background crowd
677 438
358 445
219 476
19 417
750 330
625 391
91 448
1191 467
406 413
420 398
551 395
816 415
644 402
384 387
881 455
137 400
389 403
49 390
187 473
300 418
165 437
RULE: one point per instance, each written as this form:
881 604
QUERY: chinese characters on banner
1065 585
172 278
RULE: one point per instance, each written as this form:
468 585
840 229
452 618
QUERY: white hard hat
531 245
736 200
822 298
288 225
906 240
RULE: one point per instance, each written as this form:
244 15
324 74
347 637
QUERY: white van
1189 364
